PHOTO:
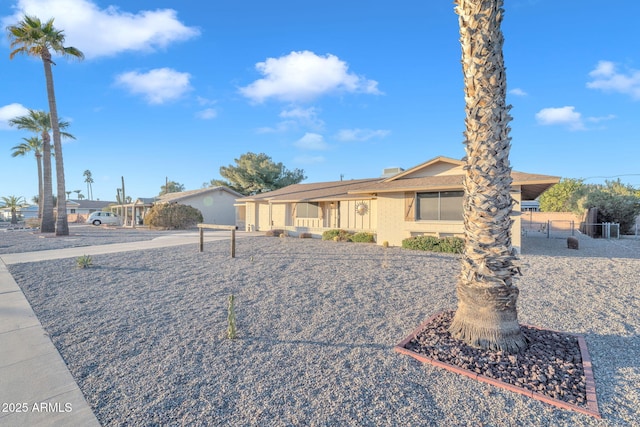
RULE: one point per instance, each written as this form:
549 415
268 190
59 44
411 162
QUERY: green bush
337 235
363 238
172 216
433 244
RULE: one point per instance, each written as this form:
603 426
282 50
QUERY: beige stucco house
423 200
215 203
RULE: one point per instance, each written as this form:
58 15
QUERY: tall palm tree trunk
40 189
62 225
486 316
47 223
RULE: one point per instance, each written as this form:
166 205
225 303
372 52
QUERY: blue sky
178 89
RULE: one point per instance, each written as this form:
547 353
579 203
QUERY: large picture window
440 206
307 210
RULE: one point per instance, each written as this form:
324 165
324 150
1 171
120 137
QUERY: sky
176 89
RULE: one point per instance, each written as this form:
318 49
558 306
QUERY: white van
97 218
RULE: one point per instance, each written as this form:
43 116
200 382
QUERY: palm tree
486 316
39 122
78 195
89 181
33 144
13 203
34 38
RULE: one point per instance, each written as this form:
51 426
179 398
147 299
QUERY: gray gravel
26 240
143 333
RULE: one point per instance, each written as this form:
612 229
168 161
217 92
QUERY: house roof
317 191
439 173
90 204
532 185
178 196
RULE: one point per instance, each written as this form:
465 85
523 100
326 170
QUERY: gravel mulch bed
27 240
143 333
551 364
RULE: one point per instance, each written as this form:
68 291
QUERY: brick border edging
592 401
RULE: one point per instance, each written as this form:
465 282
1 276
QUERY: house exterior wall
351 220
263 221
396 221
217 207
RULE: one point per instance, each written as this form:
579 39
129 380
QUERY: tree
171 187
34 38
616 202
33 144
89 180
486 316
39 122
79 196
257 173
564 196
13 203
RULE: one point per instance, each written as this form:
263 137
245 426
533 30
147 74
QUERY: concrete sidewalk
36 387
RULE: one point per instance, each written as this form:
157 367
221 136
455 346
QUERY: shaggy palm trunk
62 225
486 316
47 222
40 191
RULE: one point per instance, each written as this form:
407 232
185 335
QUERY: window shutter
409 206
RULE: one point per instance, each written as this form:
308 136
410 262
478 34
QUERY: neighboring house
86 207
79 210
23 212
217 204
423 200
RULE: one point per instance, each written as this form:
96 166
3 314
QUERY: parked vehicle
98 218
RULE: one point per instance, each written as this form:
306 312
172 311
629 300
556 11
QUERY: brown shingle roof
317 191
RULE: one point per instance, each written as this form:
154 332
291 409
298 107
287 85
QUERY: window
440 206
307 210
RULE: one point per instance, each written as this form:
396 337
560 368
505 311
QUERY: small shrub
173 216
231 318
273 233
434 244
363 238
385 244
84 261
283 235
305 235
337 235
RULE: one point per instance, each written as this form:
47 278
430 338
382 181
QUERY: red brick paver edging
591 399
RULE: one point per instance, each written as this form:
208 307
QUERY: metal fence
603 230
558 229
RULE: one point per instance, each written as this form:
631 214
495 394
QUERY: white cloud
10 111
348 135
601 119
207 114
157 86
109 31
304 76
518 92
606 78
311 141
560 116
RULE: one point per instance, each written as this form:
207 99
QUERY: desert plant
434 244
273 233
84 261
283 235
173 216
231 318
363 238
385 244
337 235
305 235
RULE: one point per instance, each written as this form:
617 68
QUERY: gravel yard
143 332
